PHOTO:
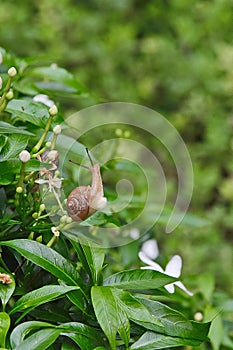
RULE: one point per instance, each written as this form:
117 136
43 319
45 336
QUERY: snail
83 201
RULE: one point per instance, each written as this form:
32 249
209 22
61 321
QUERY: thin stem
7 88
46 130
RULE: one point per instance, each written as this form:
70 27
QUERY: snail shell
85 200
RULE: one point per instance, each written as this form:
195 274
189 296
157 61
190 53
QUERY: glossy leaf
39 296
8 169
153 341
81 329
4 327
83 342
106 312
123 326
19 333
14 145
134 309
6 128
138 279
40 340
66 82
28 111
95 258
174 323
47 258
6 290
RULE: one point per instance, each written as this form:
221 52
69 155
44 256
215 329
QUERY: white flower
24 156
172 269
52 182
43 99
150 248
12 72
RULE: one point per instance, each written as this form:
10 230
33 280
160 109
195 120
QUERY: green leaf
106 312
40 340
47 258
94 255
19 333
138 279
14 145
39 296
66 82
8 169
216 332
123 326
81 329
6 290
134 309
77 298
32 112
152 341
6 128
4 327
173 322
83 342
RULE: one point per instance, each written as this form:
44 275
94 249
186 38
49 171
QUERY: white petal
150 248
170 288
41 181
174 266
181 286
151 264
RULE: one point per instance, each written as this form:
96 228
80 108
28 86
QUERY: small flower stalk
7 94
24 157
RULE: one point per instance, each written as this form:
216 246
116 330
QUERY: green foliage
175 57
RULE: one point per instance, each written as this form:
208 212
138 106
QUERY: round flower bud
48 144
12 72
0 83
53 110
24 156
118 132
35 215
198 316
10 95
57 129
42 207
19 189
1 58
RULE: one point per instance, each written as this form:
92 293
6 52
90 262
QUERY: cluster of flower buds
7 93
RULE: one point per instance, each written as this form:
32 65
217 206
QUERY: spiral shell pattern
78 203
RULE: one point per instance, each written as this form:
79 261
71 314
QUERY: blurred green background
173 56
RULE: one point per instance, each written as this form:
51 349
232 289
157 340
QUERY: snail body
85 200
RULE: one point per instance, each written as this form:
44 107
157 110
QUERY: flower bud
55 231
118 132
10 95
57 129
1 58
12 72
24 156
0 83
35 215
53 110
198 316
19 189
48 144
42 207
39 239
